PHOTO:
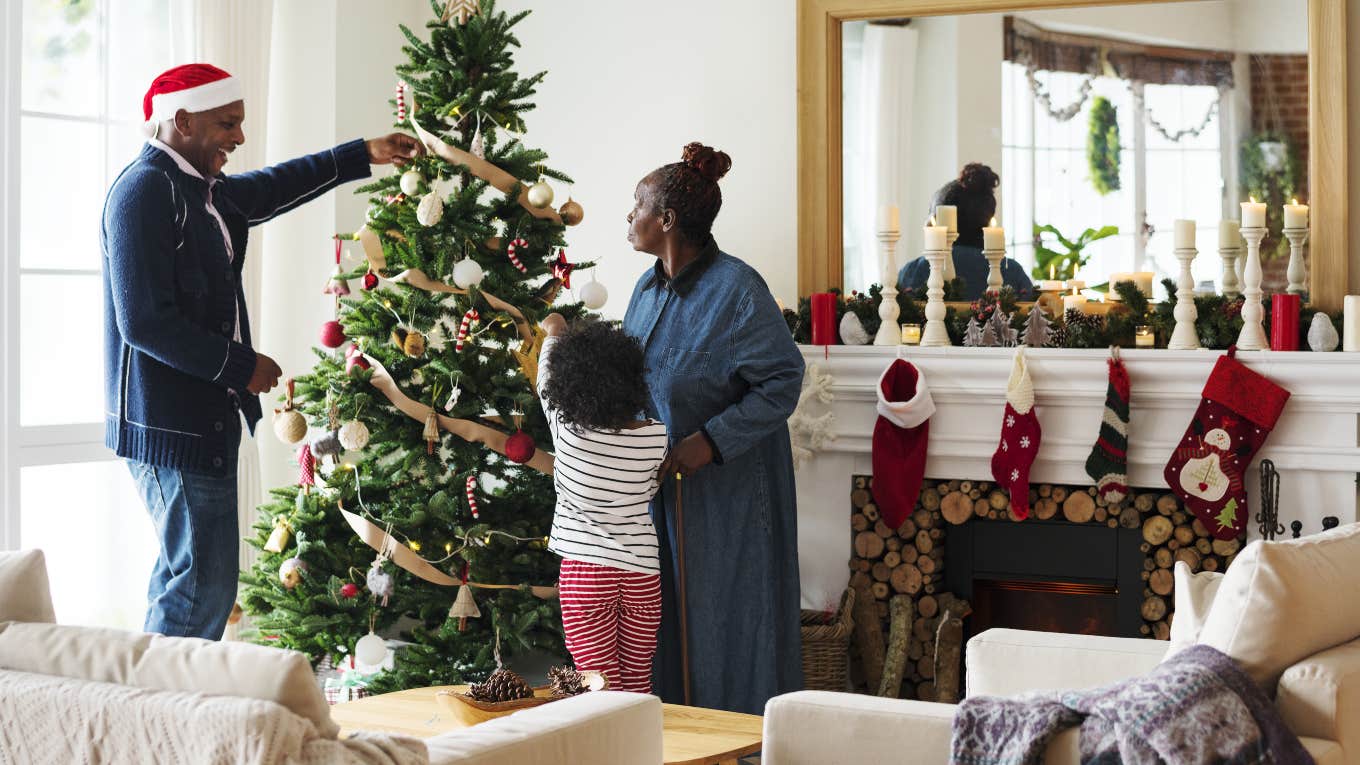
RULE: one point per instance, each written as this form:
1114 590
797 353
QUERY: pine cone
502 685
565 681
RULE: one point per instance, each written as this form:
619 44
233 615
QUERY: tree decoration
371 650
401 101
354 359
465 326
478 145
464 605
332 334
306 467
1102 146
379 582
467 273
520 447
354 435
571 212
431 432
460 10
349 590
472 496
972 338
998 331
290 572
540 195
279 537
561 269
430 210
289 424
328 445
370 280
594 295
512 251
1037 328
410 182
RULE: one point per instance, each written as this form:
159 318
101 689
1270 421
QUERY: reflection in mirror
1102 126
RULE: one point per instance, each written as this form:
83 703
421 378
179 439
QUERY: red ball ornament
349 590
370 280
519 447
332 334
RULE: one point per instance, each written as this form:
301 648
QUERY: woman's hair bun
977 178
709 162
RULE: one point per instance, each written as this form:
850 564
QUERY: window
1046 177
70 127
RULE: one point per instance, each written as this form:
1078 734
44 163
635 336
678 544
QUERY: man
180 373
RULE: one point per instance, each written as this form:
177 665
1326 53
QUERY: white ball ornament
467 273
431 209
290 426
594 295
354 435
371 650
540 194
410 182
290 573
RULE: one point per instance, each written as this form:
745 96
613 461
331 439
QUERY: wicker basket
826 656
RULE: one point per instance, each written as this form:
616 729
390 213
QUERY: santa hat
900 438
191 87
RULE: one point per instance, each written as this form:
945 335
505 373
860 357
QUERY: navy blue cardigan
170 299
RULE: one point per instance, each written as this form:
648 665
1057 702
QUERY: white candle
947 216
935 236
887 218
1076 285
1350 325
1143 279
1074 301
1185 234
993 237
1229 234
911 334
1143 337
1253 214
1295 215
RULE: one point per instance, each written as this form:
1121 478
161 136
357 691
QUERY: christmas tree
1038 328
430 385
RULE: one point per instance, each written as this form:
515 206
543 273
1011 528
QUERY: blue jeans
193 585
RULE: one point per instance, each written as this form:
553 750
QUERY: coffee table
690 735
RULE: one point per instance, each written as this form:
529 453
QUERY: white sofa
1287 612
83 694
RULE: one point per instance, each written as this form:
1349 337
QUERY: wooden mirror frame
820 254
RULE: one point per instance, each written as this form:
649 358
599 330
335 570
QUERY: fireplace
1086 609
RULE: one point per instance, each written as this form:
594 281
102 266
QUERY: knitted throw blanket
59 720
1196 707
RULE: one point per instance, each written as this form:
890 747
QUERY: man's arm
141 240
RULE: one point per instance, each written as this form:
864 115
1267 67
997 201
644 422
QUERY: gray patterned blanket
1196 707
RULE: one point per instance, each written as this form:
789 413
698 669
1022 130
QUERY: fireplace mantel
1314 446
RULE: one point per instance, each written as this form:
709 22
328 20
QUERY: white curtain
888 77
236 37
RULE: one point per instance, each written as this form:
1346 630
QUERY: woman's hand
554 324
692 453
380 377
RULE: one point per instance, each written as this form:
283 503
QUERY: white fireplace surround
1314 445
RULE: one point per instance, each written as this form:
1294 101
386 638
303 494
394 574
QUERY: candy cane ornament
469 318
472 496
516 244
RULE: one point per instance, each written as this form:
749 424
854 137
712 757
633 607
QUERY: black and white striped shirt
604 482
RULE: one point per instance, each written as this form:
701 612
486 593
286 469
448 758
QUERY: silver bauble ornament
540 194
1322 335
467 273
431 209
410 182
594 295
354 435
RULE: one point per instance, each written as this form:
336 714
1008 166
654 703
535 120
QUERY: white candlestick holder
1253 335
1232 286
1297 238
888 311
994 258
950 238
935 333
1184 337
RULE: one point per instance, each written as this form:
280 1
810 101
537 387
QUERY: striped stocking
1108 463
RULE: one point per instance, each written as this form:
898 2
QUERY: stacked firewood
1171 534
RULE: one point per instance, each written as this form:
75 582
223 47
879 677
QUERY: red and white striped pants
610 617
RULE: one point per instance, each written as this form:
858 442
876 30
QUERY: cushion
1281 602
1194 595
164 663
23 580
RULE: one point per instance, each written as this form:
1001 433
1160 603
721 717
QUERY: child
605 473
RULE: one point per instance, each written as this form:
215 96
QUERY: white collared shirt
226 237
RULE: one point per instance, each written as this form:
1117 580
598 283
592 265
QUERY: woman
973 193
724 375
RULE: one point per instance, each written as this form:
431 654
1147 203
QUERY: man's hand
265 376
554 324
692 453
396 149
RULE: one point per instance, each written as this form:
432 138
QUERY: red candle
823 318
1284 322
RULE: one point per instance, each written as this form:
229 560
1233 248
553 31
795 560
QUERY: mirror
1120 119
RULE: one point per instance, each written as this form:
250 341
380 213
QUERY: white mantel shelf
1314 445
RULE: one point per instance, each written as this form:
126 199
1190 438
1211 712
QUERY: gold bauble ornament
571 212
540 194
290 426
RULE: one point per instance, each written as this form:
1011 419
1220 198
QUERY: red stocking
1020 434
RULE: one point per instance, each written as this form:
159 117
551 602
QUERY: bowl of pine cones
504 691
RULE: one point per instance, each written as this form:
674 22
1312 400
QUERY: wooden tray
469 711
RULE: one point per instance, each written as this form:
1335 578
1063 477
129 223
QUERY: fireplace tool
1268 518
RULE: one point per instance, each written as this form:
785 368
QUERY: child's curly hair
596 377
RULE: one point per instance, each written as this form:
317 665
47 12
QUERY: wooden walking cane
680 573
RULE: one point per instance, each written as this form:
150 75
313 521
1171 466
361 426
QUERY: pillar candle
1253 214
1350 325
993 237
935 237
1143 280
823 318
1185 234
1284 322
1074 301
947 216
888 219
1229 234
1295 215
1076 285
